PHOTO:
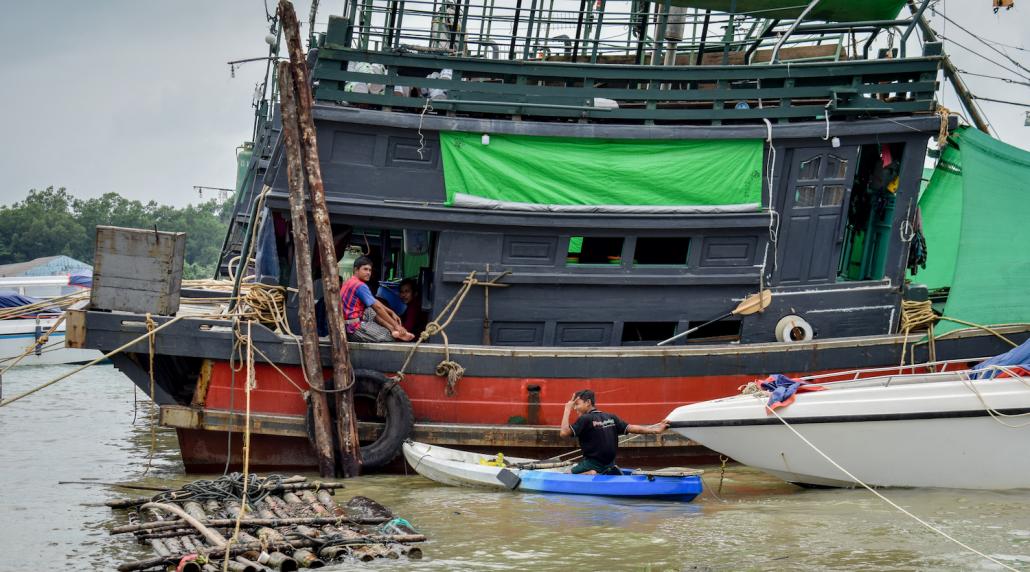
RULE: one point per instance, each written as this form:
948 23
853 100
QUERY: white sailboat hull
902 431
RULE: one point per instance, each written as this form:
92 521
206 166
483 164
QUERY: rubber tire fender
400 418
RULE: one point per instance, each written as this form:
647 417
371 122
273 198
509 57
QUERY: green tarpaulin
828 10
618 175
941 206
988 247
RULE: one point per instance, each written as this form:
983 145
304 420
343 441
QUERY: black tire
398 422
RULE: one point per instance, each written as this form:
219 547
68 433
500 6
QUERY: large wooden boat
617 189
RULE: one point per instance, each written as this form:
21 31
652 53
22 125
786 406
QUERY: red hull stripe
489 400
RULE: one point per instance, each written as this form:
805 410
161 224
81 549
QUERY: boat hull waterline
900 431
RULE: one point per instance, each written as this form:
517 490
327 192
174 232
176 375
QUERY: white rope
773 215
885 499
996 415
421 138
826 115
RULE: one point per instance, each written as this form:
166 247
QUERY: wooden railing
643 94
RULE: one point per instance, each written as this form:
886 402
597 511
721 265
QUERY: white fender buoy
792 328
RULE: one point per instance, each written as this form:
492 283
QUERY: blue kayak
462 468
628 484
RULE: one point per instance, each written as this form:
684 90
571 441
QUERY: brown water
82 429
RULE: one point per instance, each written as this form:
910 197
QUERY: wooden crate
136 270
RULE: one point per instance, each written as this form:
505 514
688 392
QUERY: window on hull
595 250
721 332
663 251
646 333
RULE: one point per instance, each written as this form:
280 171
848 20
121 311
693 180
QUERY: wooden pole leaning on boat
347 428
753 303
306 312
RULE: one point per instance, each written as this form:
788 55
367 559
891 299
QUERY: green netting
941 206
569 171
828 10
992 268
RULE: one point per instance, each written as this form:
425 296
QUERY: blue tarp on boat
1016 357
83 279
12 299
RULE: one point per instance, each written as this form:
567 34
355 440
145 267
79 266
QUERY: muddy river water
88 428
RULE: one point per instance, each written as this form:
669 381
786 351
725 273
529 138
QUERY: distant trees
52 222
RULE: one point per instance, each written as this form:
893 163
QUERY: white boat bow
921 430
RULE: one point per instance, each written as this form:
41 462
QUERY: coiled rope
916 315
229 487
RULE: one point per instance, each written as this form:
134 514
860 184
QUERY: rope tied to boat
753 388
884 498
448 368
942 133
151 327
917 316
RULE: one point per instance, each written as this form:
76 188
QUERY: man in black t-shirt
598 433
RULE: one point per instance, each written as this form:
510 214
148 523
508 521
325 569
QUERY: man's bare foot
402 336
590 472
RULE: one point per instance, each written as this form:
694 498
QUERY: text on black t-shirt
598 433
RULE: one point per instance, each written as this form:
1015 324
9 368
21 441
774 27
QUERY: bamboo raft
286 524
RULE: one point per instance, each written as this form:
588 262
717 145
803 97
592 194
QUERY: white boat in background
18 335
915 430
21 334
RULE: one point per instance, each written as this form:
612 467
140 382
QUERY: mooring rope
885 499
996 415
153 424
248 386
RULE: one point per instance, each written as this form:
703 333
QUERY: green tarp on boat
976 219
517 172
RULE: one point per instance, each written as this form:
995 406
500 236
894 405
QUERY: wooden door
814 208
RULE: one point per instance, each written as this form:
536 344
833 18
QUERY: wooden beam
301 255
350 452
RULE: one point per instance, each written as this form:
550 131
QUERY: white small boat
20 336
456 468
463 469
916 430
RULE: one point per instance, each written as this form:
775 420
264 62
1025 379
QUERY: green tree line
52 222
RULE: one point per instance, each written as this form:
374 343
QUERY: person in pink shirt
368 319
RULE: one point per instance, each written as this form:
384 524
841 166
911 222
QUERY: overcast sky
135 97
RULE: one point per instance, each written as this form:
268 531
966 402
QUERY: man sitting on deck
598 433
368 319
